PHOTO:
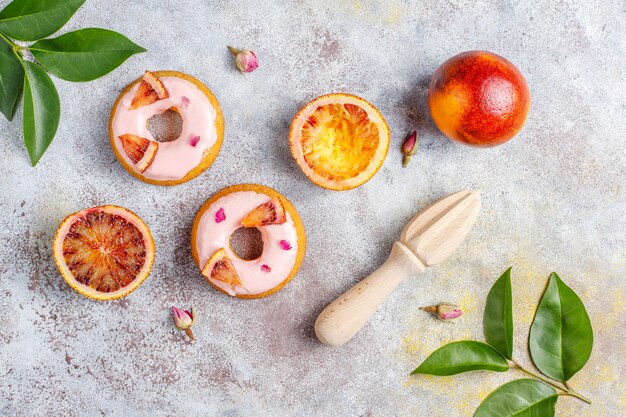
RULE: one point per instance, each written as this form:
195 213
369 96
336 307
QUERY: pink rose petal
220 216
285 245
184 102
265 268
193 140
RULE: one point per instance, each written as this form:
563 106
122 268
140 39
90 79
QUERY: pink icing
176 158
213 236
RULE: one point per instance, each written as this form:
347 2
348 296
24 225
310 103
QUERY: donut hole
247 243
166 127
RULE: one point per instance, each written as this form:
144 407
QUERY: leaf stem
15 47
566 390
190 333
9 41
526 371
572 393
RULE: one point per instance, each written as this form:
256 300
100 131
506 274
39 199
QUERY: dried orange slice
266 214
339 141
140 150
149 91
220 268
104 252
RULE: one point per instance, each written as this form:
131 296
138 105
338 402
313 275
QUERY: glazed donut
166 163
248 205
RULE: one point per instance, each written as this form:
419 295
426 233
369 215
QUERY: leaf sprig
81 55
561 340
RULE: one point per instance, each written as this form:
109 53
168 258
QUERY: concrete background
553 198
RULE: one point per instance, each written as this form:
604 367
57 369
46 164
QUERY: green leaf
85 54
11 80
561 337
498 316
457 357
520 398
29 20
42 110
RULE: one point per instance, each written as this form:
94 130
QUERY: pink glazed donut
166 163
282 231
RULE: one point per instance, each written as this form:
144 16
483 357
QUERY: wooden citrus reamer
428 239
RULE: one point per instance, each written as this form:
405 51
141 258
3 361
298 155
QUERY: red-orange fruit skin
479 98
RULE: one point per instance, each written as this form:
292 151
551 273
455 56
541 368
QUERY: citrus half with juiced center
339 141
104 252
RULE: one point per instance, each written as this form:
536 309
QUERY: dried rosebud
409 148
184 319
245 59
444 311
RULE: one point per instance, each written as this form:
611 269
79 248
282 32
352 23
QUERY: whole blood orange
479 98
339 141
104 252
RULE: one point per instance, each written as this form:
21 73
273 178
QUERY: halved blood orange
339 141
272 212
219 267
104 252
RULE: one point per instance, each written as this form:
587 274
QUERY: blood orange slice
339 141
266 214
220 268
104 252
150 90
140 150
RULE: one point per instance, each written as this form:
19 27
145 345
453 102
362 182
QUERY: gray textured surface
554 199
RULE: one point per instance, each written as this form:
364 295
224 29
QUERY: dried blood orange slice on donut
339 141
140 150
272 212
219 267
150 91
104 252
